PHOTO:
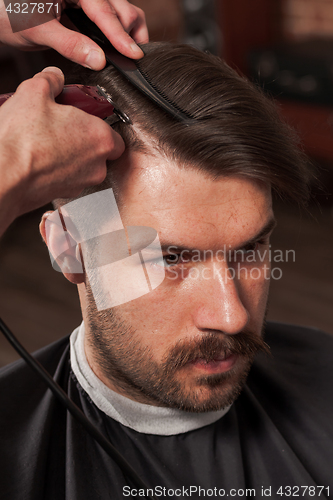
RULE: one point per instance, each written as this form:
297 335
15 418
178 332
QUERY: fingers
117 18
54 150
139 32
133 20
117 146
107 144
89 147
50 84
123 23
70 44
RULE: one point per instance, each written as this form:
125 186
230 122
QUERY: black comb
123 64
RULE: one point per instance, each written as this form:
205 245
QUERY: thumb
71 44
55 78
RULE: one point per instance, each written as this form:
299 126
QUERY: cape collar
142 418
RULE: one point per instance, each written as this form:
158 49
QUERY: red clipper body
92 100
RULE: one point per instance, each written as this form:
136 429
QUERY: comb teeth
125 66
184 116
129 69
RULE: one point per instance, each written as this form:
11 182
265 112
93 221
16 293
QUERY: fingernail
95 59
136 49
53 69
46 214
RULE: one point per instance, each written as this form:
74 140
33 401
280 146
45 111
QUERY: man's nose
217 304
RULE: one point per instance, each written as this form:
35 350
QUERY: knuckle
73 46
99 174
115 142
43 84
34 84
104 133
24 87
132 16
35 88
112 10
105 8
105 147
26 84
129 17
141 14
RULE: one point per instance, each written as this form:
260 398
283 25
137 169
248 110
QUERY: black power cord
60 394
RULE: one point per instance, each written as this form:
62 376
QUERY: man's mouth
222 363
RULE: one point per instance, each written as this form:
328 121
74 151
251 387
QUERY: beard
130 365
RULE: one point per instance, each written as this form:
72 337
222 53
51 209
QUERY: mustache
214 345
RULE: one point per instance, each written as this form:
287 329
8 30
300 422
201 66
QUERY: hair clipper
93 100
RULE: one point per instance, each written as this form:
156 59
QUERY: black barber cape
276 441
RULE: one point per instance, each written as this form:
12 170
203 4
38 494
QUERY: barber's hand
123 24
48 150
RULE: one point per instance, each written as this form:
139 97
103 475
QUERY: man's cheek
253 283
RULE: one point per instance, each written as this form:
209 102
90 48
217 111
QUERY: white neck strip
142 418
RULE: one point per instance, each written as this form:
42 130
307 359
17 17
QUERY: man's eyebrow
174 247
268 228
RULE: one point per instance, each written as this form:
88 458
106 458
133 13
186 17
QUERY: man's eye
251 247
255 245
165 261
244 252
249 252
171 259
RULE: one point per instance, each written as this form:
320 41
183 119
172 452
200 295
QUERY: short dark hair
236 129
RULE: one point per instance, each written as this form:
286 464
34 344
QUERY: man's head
206 189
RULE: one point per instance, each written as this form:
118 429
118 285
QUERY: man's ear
64 251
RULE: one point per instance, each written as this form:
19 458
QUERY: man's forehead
156 179
183 202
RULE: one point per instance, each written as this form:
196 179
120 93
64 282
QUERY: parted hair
236 128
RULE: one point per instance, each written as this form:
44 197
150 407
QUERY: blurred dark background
286 46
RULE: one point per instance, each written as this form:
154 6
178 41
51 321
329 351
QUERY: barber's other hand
123 24
48 150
